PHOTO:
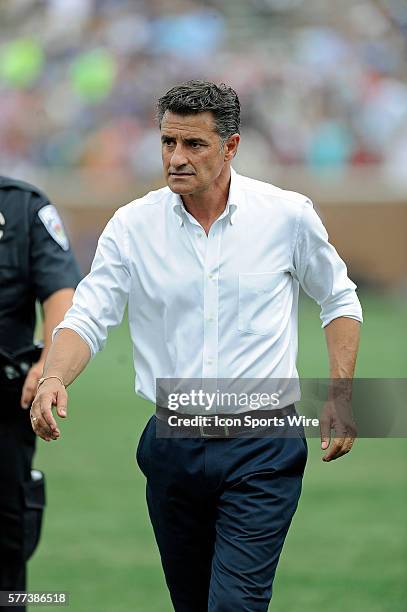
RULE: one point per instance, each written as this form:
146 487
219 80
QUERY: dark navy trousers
220 510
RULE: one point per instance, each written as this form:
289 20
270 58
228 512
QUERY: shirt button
209 361
210 319
211 276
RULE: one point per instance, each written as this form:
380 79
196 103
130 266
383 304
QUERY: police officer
36 263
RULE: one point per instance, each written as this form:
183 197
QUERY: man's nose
178 157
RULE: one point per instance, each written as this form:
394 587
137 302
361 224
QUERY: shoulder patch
53 224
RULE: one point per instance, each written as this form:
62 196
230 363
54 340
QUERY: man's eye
195 145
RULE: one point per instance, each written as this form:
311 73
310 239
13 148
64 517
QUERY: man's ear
231 146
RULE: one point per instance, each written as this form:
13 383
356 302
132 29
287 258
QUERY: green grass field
346 550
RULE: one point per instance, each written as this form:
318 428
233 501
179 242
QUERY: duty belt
15 366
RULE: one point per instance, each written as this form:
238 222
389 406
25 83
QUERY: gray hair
195 97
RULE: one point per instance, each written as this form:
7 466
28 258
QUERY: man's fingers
62 401
41 428
325 442
29 389
46 412
340 447
334 450
347 446
42 419
325 428
30 384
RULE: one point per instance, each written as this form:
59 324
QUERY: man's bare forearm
54 309
342 338
67 357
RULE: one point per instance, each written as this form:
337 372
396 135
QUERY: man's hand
337 415
51 393
30 384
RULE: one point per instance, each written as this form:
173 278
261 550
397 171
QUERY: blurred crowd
79 80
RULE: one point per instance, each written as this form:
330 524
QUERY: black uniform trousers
21 498
220 510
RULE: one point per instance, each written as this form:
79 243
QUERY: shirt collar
231 205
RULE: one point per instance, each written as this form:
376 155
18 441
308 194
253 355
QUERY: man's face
192 152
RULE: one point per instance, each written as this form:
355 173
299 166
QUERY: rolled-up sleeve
321 272
101 297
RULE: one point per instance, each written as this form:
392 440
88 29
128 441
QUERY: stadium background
324 97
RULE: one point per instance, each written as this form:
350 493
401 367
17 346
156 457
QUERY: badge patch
53 224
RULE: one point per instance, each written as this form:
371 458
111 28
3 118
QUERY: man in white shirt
210 267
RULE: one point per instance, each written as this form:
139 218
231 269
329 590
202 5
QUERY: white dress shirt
218 306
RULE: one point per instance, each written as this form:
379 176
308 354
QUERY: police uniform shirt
35 260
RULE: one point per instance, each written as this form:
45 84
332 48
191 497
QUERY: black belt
209 427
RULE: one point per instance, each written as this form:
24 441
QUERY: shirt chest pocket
263 301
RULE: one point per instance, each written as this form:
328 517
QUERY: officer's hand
51 393
337 415
30 384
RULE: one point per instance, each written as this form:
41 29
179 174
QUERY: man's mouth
181 173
